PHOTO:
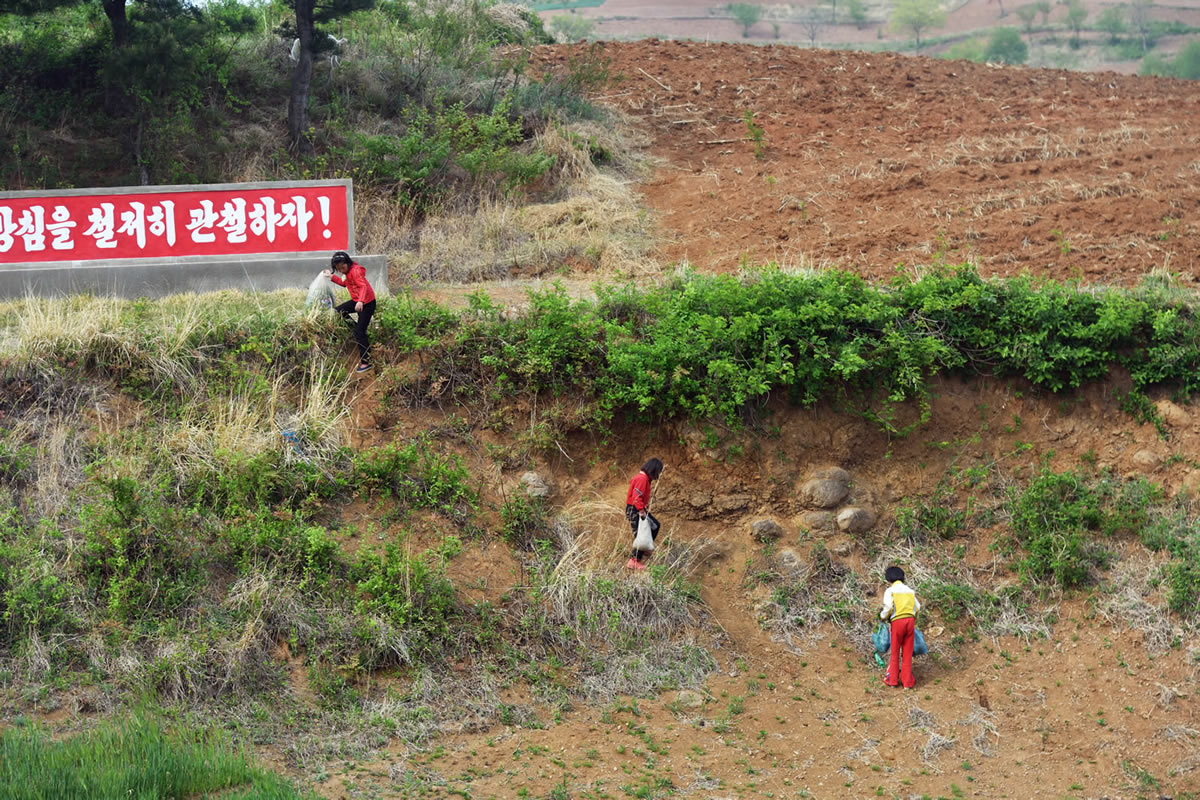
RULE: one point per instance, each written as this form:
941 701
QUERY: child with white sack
637 510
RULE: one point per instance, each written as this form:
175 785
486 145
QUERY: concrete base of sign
155 278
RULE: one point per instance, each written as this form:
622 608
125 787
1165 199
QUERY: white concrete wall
158 277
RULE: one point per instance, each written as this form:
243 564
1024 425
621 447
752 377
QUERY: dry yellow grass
36 328
592 215
216 435
600 222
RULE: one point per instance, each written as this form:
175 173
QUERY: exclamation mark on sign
324 203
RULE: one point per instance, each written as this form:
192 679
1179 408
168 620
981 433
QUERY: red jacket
356 282
639 491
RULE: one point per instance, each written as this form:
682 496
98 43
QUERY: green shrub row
722 345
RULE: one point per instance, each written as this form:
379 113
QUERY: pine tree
310 14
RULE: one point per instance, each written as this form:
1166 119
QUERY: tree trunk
115 11
301 78
114 92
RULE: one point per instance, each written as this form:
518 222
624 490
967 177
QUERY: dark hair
893 574
340 257
653 468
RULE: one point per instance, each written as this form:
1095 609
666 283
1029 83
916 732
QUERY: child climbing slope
345 271
637 507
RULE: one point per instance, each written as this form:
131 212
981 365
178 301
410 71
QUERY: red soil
874 161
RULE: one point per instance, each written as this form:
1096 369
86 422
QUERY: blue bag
882 638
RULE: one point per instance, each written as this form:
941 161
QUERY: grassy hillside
216 547
195 515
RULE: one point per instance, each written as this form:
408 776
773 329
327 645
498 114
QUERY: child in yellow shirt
900 608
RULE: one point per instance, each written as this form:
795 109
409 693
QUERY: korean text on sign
227 222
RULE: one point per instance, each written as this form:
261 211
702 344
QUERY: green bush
418 164
16 460
414 473
411 592
135 562
955 601
288 545
1006 47
571 27
407 324
1182 579
973 49
723 345
36 594
1059 518
522 519
937 519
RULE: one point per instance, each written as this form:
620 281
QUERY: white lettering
295 214
133 223
32 229
202 221
263 218
162 221
102 226
7 229
233 220
60 227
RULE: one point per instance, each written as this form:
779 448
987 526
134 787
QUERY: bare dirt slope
1094 701
870 161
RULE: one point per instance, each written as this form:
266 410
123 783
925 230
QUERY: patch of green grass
135 758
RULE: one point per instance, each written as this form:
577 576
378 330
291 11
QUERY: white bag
644 540
320 293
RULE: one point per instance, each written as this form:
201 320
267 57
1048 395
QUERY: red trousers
902 644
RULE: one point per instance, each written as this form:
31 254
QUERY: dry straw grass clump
171 340
305 424
809 595
591 216
38 330
600 223
1128 602
169 336
635 633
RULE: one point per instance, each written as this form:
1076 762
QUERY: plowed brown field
873 161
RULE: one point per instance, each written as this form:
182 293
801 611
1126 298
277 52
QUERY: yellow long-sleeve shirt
899 602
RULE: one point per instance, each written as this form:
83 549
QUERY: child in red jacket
637 506
346 272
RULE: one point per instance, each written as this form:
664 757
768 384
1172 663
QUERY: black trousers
360 327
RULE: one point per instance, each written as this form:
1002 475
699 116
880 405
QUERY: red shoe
633 563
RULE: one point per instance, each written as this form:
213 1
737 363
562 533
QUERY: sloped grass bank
135 758
174 478
175 475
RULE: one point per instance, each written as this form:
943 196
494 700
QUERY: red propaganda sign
176 221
